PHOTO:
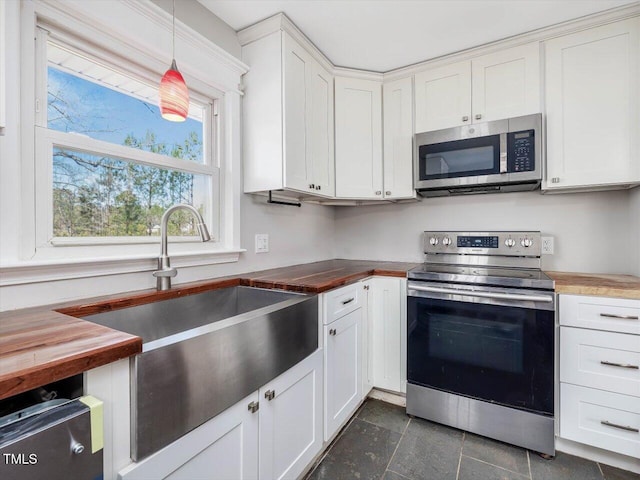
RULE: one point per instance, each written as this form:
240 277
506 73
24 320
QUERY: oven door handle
475 293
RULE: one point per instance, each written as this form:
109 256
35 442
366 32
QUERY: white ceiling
381 35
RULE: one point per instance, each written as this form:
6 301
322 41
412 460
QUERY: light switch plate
262 242
547 246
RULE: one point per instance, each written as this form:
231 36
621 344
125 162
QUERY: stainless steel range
480 337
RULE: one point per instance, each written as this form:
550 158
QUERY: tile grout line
529 464
600 468
464 436
496 466
397 445
335 440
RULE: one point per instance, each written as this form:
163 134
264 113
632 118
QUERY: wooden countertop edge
601 285
19 381
598 291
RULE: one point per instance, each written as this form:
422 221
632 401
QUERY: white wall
584 225
297 235
203 21
634 221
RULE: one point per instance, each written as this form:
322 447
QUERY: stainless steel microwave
498 156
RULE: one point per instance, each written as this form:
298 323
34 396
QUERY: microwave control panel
521 151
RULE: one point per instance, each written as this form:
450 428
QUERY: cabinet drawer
605 420
601 313
604 360
341 301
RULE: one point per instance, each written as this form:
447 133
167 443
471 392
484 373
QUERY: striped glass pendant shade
174 95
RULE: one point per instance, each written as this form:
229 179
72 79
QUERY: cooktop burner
509 259
499 276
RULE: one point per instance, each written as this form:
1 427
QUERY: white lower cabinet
343 364
600 372
387 335
276 439
602 419
226 447
291 420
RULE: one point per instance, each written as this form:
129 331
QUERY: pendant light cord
173 29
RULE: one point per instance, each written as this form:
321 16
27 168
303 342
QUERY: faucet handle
166 272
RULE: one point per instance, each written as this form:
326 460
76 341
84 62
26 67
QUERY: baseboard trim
598 455
388 396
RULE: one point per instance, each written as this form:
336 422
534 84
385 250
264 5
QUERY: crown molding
281 22
539 35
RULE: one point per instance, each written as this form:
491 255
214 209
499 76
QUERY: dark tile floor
382 442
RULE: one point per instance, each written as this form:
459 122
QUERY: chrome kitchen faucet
165 271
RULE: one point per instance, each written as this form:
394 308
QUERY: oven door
493 344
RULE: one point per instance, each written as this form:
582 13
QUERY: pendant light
173 92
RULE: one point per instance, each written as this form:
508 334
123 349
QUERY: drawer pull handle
344 302
621 365
621 427
621 317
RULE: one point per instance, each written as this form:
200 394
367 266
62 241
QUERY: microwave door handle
503 153
473 293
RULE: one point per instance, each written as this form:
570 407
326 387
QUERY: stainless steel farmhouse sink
204 352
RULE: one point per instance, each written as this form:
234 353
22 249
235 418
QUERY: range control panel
516 244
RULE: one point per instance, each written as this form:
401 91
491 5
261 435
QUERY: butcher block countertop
45 344
319 277
601 285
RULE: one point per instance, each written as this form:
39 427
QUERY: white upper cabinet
320 141
297 65
358 134
288 118
489 87
592 107
506 84
443 97
398 139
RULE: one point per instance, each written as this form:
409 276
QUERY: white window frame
139 30
47 139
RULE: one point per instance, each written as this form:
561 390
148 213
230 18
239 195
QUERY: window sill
37 271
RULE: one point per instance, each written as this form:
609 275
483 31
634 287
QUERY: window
108 165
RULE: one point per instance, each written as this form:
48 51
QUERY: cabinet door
296 76
398 136
320 146
343 370
224 447
386 319
506 83
443 97
291 420
358 138
593 116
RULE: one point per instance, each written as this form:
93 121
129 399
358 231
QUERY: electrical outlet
262 242
547 246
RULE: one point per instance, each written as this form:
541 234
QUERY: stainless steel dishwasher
50 438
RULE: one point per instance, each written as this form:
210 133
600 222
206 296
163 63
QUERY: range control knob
526 242
510 242
433 241
446 241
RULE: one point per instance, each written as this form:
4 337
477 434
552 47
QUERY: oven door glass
461 158
501 354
